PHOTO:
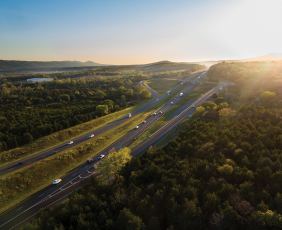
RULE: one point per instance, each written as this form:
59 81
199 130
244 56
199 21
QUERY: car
129 115
137 127
56 181
160 112
172 102
70 143
154 113
90 160
143 122
181 94
101 156
92 135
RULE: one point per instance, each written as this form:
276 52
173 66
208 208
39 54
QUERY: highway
7 168
187 112
75 178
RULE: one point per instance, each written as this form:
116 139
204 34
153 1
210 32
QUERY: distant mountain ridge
13 65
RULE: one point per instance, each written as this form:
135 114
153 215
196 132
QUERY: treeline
30 111
223 171
249 78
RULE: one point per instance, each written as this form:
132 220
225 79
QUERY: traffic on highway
59 188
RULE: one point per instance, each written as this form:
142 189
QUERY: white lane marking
197 101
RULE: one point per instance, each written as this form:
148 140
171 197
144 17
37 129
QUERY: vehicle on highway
154 113
137 127
101 156
172 102
70 143
144 122
56 181
160 112
92 135
90 160
181 94
129 115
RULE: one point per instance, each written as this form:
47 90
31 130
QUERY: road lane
85 137
74 178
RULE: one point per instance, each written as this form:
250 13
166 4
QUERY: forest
29 111
222 171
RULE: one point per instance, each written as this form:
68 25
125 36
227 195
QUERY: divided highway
85 137
75 178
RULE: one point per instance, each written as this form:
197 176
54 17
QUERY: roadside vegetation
16 186
31 111
223 170
59 137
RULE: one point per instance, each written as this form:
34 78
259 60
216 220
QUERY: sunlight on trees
108 168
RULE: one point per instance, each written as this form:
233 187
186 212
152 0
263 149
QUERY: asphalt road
75 178
78 140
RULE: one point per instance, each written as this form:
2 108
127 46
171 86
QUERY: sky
139 31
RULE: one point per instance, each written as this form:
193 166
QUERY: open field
18 185
161 85
59 137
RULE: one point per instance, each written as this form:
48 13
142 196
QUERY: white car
129 115
92 135
160 112
154 113
70 143
172 102
143 122
56 181
181 94
137 127
101 156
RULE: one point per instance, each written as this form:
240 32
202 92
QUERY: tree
108 168
27 138
128 221
200 109
225 169
145 94
102 109
65 97
110 104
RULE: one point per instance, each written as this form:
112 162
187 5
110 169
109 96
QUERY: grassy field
162 85
17 186
59 137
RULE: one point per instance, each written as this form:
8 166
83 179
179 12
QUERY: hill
13 66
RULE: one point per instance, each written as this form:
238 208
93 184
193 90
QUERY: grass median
17 186
59 137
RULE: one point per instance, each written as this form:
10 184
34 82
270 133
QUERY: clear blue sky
138 31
